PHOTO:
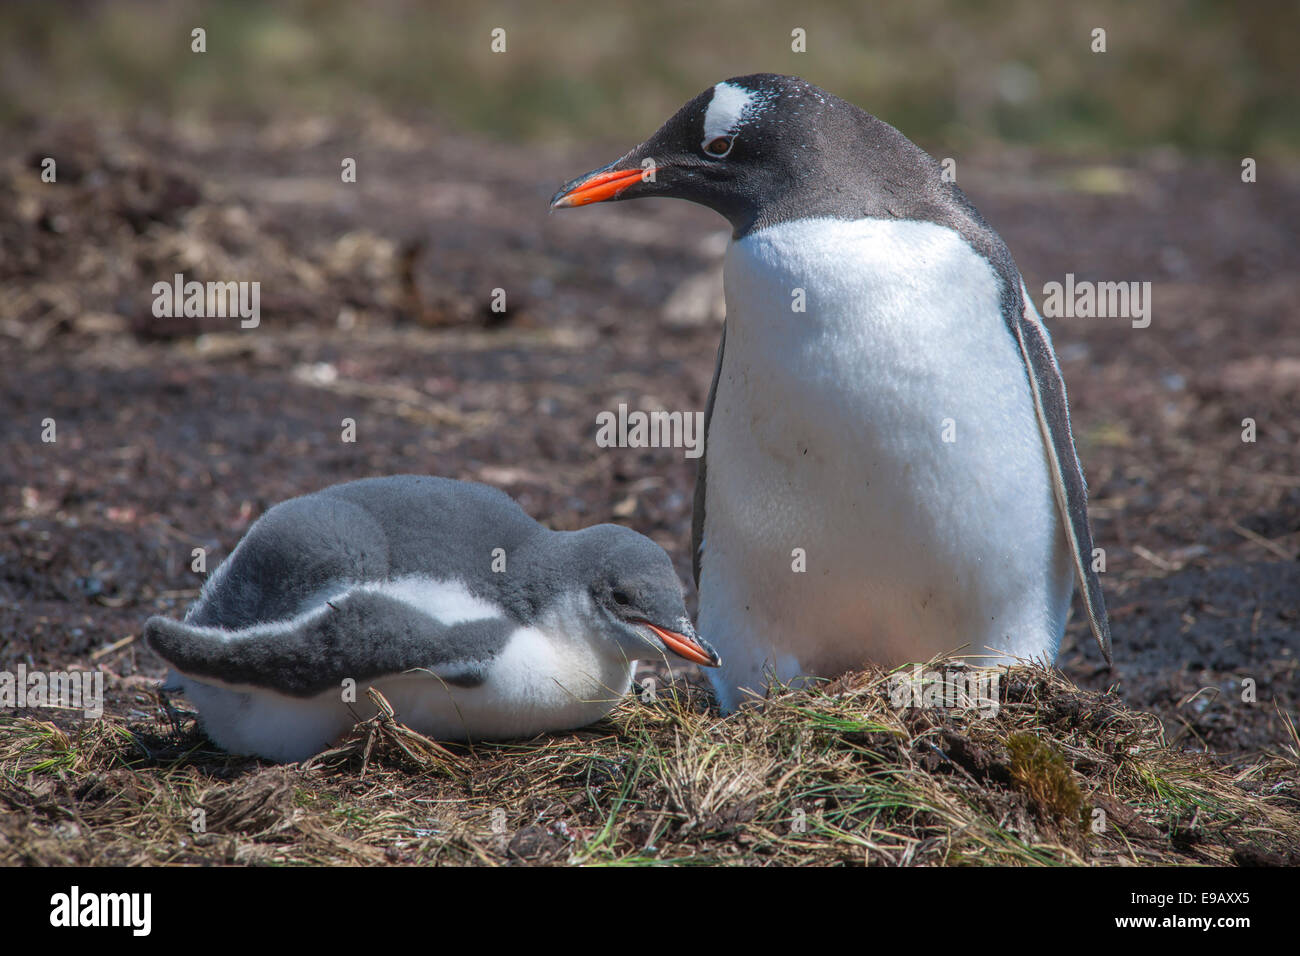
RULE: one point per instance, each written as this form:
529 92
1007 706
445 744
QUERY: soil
376 306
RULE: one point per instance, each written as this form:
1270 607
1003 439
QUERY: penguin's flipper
361 634
697 511
1053 411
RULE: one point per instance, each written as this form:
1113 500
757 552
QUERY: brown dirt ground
375 307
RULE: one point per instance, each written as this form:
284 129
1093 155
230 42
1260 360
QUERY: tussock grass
831 775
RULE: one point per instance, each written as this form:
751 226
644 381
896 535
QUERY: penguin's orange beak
692 649
595 187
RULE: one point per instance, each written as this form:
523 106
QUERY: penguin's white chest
877 485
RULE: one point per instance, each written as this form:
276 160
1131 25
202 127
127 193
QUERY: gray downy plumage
302 603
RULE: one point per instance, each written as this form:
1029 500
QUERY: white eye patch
726 110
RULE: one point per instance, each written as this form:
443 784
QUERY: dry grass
824 776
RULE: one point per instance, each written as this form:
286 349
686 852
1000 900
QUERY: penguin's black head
635 594
765 148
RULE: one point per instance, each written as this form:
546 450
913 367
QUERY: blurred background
175 433
1195 74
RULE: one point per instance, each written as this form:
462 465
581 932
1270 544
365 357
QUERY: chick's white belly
828 435
534 686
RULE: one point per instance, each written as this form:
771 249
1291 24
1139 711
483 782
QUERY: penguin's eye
621 598
719 146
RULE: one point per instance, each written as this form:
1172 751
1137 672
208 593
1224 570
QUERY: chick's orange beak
685 647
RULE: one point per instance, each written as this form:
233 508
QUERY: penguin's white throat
577 626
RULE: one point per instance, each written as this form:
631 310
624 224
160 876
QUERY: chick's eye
620 597
718 146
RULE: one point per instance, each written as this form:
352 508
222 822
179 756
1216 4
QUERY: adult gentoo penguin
886 399
472 619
